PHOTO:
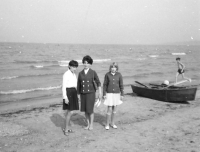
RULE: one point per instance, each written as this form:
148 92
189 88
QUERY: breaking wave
29 90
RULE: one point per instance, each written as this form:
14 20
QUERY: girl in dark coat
86 90
113 92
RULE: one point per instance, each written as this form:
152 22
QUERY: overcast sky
99 21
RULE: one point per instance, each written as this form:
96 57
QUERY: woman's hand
79 98
66 101
122 98
100 95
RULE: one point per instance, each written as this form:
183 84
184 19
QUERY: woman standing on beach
112 87
86 90
70 99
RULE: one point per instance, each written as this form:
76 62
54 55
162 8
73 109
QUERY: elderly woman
86 90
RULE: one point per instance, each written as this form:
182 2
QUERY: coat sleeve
96 79
121 86
79 84
105 84
64 92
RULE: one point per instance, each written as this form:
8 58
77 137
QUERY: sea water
31 71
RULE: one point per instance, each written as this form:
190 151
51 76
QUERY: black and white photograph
99 75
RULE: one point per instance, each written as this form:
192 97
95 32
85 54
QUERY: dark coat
113 83
85 82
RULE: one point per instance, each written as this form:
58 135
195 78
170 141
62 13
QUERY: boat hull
173 95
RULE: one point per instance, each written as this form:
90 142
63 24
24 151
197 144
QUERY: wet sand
143 125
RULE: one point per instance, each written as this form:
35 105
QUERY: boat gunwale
167 88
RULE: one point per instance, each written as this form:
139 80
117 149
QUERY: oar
157 85
142 84
173 84
180 82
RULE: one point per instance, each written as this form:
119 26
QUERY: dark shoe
66 133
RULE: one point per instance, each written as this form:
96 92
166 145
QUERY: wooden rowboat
169 94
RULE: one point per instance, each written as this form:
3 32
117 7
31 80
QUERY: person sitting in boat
165 83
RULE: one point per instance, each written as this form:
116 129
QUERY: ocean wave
9 77
142 75
49 96
46 66
38 66
181 53
140 59
29 90
127 77
55 61
35 61
65 63
80 61
153 56
156 73
101 60
136 75
39 97
22 76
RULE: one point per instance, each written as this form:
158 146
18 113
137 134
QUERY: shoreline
48 102
143 125
25 104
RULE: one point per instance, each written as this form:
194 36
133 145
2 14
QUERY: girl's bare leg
67 119
91 120
114 108
108 116
87 120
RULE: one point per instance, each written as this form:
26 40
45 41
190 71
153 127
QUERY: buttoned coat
85 82
113 83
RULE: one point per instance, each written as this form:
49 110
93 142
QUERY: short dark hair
178 58
73 63
88 59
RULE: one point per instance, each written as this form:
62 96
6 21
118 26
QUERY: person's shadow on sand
58 120
76 118
99 119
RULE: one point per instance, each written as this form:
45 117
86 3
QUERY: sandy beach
143 125
39 38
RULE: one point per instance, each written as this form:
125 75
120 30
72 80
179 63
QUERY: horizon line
167 43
